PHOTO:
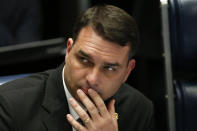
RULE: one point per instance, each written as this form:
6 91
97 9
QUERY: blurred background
33 38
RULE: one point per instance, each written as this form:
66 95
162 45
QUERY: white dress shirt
68 96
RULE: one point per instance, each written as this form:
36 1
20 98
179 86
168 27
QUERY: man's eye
109 68
84 60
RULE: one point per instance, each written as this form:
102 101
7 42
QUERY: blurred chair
183 30
186 105
180 51
20 21
4 79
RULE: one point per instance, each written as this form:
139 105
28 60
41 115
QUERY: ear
130 67
70 43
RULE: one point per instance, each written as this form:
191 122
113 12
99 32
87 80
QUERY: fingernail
114 101
71 99
90 90
79 91
68 116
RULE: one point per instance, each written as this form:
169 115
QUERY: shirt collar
68 96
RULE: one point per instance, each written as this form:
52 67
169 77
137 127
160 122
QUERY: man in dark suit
88 92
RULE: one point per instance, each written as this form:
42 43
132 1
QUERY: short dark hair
112 24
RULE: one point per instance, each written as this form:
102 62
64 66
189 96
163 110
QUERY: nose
93 77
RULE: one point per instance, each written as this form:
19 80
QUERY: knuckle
108 120
74 104
93 128
84 115
80 128
103 123
83 96
92 108
78 108
100 104
71 121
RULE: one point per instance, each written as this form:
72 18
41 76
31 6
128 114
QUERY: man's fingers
74 123
79 110
98 102
88 104
111 108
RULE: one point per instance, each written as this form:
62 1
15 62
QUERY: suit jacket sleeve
6 122
151 121
134 109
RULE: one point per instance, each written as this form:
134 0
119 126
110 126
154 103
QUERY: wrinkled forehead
89 42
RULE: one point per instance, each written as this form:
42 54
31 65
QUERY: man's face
93 62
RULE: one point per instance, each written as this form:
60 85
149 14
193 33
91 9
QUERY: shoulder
133 107
130 94
31 82
28 90
21 98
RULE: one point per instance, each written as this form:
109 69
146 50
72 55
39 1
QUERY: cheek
110 91
76 72
111 87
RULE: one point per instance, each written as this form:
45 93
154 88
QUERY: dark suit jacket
38 103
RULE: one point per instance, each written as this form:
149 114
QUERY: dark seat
183 34
20 21
186 105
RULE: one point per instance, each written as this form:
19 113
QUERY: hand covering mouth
85 90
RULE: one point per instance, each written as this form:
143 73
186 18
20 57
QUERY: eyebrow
105 64
84 54
112 64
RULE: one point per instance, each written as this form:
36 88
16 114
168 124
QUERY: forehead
89 42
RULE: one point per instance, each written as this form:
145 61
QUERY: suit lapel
55 106
56 121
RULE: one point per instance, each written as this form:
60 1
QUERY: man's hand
99 119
